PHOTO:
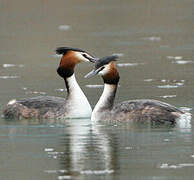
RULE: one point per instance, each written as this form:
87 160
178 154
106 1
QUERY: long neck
76 100
106 101
72 86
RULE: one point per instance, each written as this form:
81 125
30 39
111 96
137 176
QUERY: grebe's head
71 57
106 67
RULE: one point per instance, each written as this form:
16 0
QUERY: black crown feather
105 60
64 50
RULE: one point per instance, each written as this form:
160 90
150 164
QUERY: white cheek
105 70
80 57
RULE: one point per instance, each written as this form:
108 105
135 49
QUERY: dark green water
156 39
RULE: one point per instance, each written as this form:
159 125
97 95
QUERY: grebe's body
136 110
75 105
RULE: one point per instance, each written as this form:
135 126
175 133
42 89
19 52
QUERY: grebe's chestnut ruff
75 105
136 110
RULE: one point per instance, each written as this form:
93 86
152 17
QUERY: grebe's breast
144 110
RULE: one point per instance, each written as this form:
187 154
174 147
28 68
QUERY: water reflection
87 150
81 149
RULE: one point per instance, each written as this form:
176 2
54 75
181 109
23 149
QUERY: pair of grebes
76 104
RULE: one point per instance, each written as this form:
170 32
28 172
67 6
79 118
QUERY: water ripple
168 86
97 172
152 38
60 90
175 57
64 177
12 65
168 96
64 27
182 62
9 77
182 165
94 86
35 92
128 64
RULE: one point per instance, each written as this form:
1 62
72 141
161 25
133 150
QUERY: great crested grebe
75 105
137 110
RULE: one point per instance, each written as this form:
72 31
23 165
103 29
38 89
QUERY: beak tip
93 60
90 74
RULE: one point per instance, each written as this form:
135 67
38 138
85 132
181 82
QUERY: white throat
77 102
105 102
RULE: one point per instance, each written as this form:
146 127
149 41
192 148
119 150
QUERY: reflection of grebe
75 105
138 110
87 149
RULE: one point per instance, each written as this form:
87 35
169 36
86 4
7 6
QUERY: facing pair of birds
76 104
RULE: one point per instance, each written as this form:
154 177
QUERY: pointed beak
92 59
91 74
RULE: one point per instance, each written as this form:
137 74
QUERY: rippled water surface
156 42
